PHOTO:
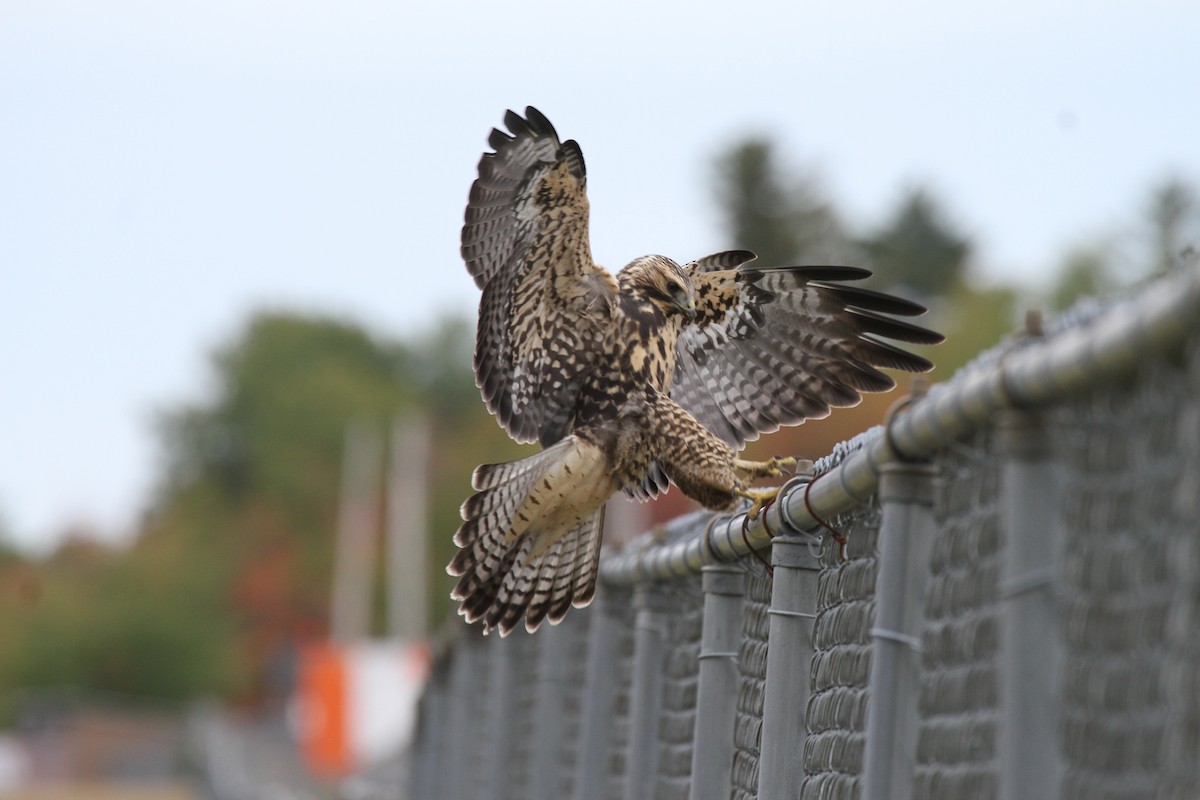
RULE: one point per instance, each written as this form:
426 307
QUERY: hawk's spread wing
776 346
545 303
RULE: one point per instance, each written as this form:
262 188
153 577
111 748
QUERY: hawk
632 382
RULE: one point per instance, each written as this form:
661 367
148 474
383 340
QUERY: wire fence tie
911 642
837 535
1029 582
815 542
779 612
758 555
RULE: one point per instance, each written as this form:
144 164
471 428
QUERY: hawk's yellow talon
783 465
759 499
776 467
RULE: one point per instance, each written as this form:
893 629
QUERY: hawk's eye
673 288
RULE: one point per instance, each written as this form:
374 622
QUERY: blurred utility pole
406 529
357 527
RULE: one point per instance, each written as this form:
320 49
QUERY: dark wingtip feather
537 120
497 139
573 156
827 272
871 300
871 322
726 259
887 355
517 124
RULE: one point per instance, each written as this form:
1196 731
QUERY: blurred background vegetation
230 569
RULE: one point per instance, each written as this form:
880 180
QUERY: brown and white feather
777 346
525 242
530 537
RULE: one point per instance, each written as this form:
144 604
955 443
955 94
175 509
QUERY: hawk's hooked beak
686 304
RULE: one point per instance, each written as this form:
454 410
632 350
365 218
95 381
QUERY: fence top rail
1028 372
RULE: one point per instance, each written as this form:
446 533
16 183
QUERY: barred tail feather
531 537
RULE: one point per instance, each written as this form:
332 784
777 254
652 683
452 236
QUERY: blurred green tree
1085 271
916 252
267 452
141 626
777 213
1171 217
917 248
232 564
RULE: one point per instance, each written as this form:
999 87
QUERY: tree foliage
916 252
781 217
1172 219
917 248
1086 271
232 566
142 625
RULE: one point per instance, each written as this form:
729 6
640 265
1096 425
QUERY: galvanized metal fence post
502 694
905 536
460 739
789 665
1031 651
427 755
717 682
649 636
548 712
604 634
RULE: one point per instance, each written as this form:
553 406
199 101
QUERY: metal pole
548 712
461 737
427 769
407 563
789 665
357 527
604 633
649 637
717 682
905 536
1031 660
502 695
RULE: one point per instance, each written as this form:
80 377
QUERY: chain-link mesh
1128 465
574 674
1126 547
520 728
622 666
679 691
956 747
752 673
1181 666
836 713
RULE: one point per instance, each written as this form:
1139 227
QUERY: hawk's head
662 282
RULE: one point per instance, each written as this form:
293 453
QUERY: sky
168 168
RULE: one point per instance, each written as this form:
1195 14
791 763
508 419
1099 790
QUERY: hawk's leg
753 470
703 466
776 467
759 498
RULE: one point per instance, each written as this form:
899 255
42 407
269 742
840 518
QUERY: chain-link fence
1017 614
